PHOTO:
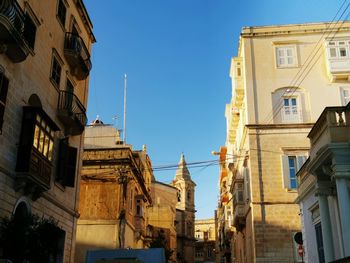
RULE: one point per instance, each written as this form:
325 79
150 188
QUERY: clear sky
176 54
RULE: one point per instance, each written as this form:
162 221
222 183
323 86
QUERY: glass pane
341 43
331 43
286 102
46 145
293 183
280 52
38 118
41 141
294 102
346 93
332 52
281 61
289 52
342 52
290 61
36 136
50 153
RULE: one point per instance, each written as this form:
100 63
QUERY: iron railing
76 45
70 103
13 12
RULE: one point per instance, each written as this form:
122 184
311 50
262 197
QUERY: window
61 13
29 31
319 242
345 95
286 56
43 138
55 72
4 82
131 199
291 111
188 195
291 164
36 144
338 49
139 205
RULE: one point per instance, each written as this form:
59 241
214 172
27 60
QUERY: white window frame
300 160
281 52
292 117
345 99
338 46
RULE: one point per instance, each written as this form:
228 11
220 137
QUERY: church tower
185 212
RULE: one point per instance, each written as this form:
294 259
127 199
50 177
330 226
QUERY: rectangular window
345 95
338 49
61 13
67 159
29 31
291 165
286 56
4 82
291 111
56 69
43 138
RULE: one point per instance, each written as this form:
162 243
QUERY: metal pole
124 134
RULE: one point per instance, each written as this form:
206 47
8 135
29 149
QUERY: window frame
285 49
344 100
291 118
299 159
337 46
58 15
56 58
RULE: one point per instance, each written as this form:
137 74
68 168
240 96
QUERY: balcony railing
332 126
71 112
77 55
12 26
34 179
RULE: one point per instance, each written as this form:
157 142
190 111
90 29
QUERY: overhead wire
294 85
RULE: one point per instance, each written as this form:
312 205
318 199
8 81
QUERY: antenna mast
124 133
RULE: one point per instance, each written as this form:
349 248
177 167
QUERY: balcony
12 29
339 68
77 55
331 127
35 178
239 217
71 113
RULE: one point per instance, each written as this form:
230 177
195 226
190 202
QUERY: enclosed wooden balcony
71 113
331 127
77 56
239 217
12 31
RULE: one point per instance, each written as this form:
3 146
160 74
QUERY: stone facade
115 193
268 119
205 240
185 213
32 180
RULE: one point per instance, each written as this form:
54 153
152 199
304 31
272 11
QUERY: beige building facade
115 193
44 68
277 78
205 240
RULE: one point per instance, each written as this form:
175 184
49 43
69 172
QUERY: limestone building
45 49
115 193
185 213
205 240
323 189
277 78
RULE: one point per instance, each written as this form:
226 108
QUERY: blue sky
177 55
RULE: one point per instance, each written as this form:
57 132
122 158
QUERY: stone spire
182 171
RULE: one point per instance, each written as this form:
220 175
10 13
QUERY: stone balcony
331 127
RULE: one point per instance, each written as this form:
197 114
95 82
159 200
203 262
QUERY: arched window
289 105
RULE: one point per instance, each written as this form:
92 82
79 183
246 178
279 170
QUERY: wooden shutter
70 167
67 164
4 82
300 161
285 171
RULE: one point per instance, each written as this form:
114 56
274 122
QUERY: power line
294 82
